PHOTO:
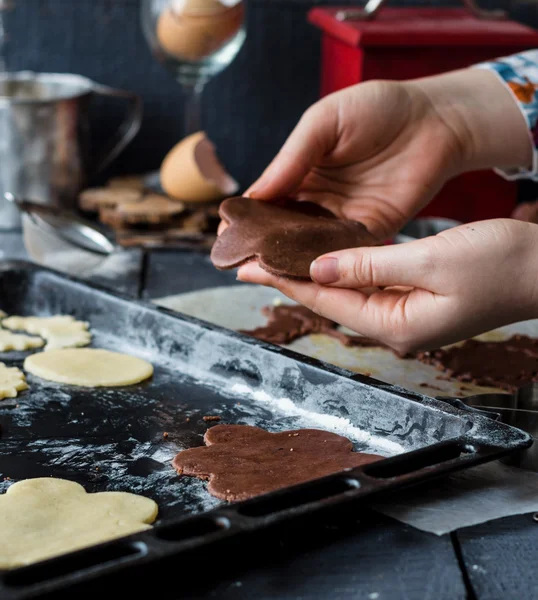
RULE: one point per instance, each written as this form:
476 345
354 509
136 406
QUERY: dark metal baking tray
112 439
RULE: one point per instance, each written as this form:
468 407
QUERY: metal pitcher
45 152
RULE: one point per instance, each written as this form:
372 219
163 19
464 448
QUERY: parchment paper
475 496
239 307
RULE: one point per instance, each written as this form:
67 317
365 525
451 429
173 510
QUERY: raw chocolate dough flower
283 236
241 461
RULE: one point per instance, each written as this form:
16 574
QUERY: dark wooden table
372 558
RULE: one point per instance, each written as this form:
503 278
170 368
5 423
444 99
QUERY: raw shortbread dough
242 461
45 517
18 341
88 367
61 331
12 381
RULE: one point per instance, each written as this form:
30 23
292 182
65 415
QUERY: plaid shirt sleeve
520 75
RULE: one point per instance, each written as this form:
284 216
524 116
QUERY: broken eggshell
192 172
179 7
195 33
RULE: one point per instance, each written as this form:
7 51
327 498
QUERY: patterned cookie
95 199
154 209
130 182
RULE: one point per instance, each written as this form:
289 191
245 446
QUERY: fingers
253 273
527 211
408 264
336 304
347 307
437 291
402 318
314 136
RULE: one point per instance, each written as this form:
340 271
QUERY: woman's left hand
428 293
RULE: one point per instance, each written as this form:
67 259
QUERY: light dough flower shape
18 341
283 236
60 331
12 381
45 517
242 461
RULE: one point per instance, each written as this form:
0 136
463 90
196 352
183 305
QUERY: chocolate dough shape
284 236
289 322
241 461
508 365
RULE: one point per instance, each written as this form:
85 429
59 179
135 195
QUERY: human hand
435 291
379 151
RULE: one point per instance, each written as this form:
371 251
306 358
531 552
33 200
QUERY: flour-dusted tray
112 439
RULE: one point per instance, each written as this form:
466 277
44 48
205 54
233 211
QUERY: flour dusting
339 425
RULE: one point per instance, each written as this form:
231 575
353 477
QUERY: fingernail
253 194
325 270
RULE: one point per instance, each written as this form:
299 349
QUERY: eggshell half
192 172
195 35
197 6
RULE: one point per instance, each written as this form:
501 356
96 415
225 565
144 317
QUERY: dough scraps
289 322
88 367
18 341
61 331
508 364
45 517
241 461
284 236
12 381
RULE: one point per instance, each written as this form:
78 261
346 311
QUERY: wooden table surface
374 557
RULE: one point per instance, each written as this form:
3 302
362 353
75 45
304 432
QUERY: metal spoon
67 225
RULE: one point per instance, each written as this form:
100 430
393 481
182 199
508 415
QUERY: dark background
248 110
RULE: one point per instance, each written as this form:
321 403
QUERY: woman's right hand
426 293
379 151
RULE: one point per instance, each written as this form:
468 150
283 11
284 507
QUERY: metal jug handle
126 131
372 7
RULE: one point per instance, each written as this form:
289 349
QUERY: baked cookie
153 209
131 182
96 199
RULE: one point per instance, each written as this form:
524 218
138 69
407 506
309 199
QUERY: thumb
408 264
314 136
